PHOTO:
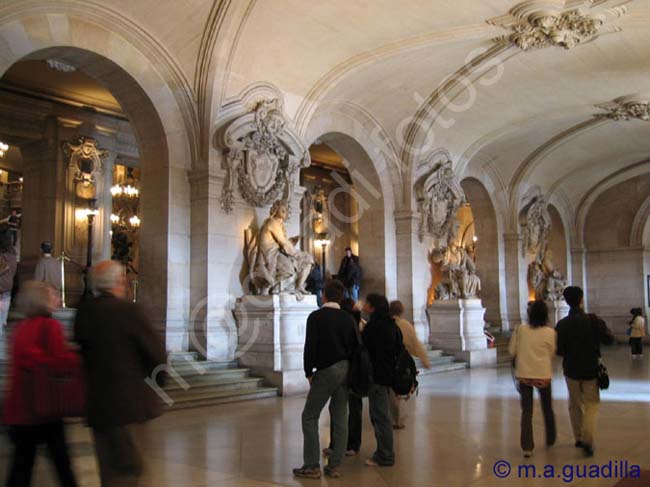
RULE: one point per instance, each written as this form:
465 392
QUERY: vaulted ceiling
526 117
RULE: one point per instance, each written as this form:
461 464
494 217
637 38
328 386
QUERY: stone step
183 367
438 369
195 376
194 400
441 360
175 390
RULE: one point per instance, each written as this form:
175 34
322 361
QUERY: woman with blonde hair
37 341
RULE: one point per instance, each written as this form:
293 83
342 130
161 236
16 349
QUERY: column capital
512 237
406 222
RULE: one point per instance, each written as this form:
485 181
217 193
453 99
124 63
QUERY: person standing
637 332
48 268
414 347
315 283
383 340
329 344
579 337
533 347
350 274
120 349
8 264
355 402
14 225
38 340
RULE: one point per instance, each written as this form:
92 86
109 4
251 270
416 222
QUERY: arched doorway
358 204
161 193
479 234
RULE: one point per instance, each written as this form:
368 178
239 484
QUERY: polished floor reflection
457 428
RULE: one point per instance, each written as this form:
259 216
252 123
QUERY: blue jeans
352 292
379 400
327 384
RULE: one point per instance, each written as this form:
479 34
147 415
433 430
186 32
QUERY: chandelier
3 148
126 191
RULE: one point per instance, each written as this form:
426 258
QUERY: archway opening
346 208
478 234
82 101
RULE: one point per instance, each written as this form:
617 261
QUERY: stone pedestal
272 338
457 327
556 311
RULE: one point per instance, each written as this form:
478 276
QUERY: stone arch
160 121
489 262
374 193
616 266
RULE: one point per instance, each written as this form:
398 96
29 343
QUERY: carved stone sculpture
86 161
537 227
263 155
275 265
461 281
538 24
627 108
439 196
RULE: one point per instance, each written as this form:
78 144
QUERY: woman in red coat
37 340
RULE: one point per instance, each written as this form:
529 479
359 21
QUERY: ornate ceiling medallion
635 107
538 24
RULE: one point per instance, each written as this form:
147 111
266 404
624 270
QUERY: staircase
501 343
440 362
208 382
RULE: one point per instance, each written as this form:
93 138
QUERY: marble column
515 285
413 272
579 270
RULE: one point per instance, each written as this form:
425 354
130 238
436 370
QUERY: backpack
405 377
360 374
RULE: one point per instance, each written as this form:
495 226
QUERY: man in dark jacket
383 340
120 349
330 341
578 343
350 274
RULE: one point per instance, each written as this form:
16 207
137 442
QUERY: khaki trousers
119 455
584 401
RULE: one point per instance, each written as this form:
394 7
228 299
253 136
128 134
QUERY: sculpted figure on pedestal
275 264
461 281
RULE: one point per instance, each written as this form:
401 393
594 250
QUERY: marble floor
457 428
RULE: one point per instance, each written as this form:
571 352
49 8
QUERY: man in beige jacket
414 347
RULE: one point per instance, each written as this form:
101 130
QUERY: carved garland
263 154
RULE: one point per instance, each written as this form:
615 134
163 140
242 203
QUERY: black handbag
603 375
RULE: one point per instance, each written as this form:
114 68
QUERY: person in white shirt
637 332
533 347
414 347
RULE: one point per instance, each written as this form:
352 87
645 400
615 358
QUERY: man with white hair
120 349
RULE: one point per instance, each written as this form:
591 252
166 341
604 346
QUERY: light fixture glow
115 218
3 148
474 239
134 221
128 191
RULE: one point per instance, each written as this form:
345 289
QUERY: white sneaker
351 453
528 454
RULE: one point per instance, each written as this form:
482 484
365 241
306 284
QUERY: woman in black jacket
382 339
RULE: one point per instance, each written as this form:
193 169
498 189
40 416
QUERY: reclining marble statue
275 265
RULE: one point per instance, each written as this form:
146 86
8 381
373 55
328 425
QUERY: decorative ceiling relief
635 107
538 24
263 156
